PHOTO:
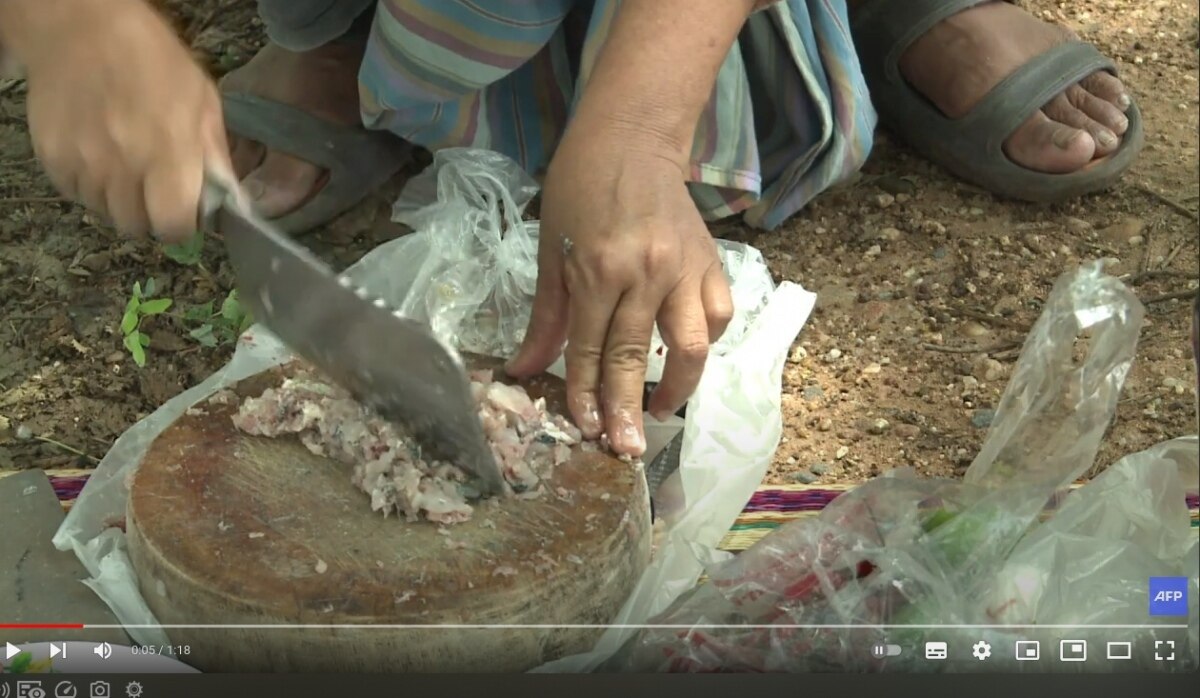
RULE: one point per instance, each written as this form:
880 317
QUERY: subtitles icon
1028 650
936 650
1119 650
1072 651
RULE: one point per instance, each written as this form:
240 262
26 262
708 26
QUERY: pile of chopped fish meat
527 441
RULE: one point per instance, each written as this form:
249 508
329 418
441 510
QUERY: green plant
188 253
217 326
141 305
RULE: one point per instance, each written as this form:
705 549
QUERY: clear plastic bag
470 271
977 559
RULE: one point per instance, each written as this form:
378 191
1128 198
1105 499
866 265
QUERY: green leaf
129 322
189 253
204 335
155 307
136 350
150 287
137 290
20 663
199 313
231 308
143 339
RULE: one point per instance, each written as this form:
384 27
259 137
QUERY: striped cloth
789 117
769 508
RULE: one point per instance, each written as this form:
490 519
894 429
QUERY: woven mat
770 507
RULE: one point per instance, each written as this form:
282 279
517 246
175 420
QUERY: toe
1063 109
1109 88
1049 146
1101 111
281 184
245 154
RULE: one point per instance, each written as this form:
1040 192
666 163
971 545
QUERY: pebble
1007 305
970 385
804 477
812 393
1123 230
982 419
841 452
1136 240
884 200
819 468
879 426
1077 225
871 369
890 234
24 433
908 431
115 358
987 369
798 354
826 424
791 460
1175 384
873 251
974 330
833 355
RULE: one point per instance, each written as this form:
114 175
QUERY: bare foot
959 60
323 82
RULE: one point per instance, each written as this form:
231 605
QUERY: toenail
1063 137
1106 138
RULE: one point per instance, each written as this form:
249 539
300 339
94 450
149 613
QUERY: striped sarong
789 116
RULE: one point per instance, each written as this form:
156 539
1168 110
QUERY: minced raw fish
527 440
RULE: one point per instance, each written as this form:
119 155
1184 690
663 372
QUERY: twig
1103 248
1163 198
1003 346
1173 254
1144 265
1177 295
986 317
1134 279
68 449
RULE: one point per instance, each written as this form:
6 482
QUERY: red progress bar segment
41 626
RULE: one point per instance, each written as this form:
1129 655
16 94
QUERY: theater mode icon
1169 596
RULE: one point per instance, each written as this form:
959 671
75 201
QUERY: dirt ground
926 285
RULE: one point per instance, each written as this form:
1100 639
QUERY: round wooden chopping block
225 528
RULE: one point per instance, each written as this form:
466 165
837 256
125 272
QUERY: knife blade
395 365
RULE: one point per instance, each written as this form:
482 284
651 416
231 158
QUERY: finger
718 302
547 330
624 377
126 204
172 190
683 324
589 318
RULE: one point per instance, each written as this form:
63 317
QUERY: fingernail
1106 138
1064 136
590 421
662 415
1124 101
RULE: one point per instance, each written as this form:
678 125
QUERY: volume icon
102 650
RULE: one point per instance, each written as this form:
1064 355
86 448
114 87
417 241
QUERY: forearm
657 69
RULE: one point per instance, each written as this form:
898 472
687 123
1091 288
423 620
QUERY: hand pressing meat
527 440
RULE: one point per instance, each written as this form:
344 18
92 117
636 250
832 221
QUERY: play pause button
59 650
11 650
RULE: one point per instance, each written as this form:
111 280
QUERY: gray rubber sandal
358 161
972 146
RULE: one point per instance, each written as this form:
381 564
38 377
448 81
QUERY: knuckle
692 351
626 353
659 253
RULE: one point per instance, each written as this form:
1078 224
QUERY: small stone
115 358
902 198
884 200
907 431
1136 240
1178 386
1077 225
879 426
819 468
970 385
982 419
24 433
1007 305
791 460
833 355
873 251
322 566
1120 232
804 477
826 424
890 234
871 369
798 354
987 369
974 330
812 393
841 452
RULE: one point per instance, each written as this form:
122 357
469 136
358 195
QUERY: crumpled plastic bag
470 271
976 564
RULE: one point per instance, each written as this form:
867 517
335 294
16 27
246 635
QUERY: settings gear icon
133 689
981 650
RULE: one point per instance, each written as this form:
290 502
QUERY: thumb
547 331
